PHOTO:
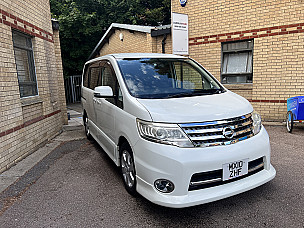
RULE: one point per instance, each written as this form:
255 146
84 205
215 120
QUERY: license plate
235 169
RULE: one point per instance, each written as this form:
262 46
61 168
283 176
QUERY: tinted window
108 78
86 77
94 75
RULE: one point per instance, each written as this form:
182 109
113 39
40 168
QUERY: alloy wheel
127 168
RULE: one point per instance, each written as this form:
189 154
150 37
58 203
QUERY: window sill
245 86
30 100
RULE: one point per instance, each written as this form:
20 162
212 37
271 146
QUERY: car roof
144 55
137 56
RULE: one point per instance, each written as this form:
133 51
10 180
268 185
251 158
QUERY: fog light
164 186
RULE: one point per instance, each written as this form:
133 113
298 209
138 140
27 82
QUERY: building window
237 62
25 64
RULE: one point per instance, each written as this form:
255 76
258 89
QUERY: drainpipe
164 43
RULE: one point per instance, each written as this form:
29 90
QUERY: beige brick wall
278 72
26 123
32 111
11 110
33 11
136 42
60 81
211 17
278 56
23 142
278 67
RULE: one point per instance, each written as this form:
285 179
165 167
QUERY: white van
179 137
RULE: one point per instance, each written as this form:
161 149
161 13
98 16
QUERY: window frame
95 65
31 64
117 100
249 76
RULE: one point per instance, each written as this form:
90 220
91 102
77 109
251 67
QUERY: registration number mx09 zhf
235 169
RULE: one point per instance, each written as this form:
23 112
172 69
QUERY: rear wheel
289 121
127 167
86 126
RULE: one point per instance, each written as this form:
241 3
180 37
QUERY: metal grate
214 178
72 86
222 132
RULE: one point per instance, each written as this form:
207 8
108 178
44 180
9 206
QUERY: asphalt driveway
77 185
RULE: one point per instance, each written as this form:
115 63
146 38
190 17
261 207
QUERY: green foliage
83 23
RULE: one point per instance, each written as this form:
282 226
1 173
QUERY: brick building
32 99
256 48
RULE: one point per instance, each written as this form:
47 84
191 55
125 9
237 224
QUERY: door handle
96 101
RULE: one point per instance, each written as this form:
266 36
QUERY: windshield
166 78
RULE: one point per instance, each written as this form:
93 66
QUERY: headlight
163 133
257 122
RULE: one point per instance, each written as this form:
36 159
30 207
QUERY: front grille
214 178
221 132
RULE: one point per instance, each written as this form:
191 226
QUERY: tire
127 169
86 127
289 121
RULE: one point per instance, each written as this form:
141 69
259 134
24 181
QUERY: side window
108 78
94 75
91 75
86 77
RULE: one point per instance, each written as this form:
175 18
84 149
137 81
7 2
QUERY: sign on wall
180 34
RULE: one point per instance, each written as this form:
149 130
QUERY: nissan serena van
179 137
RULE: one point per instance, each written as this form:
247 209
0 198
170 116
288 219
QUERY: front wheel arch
127 167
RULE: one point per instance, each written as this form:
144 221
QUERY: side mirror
103 92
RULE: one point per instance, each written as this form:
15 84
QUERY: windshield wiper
196 93
180 95
214 91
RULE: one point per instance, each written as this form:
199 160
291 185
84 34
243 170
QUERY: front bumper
157 161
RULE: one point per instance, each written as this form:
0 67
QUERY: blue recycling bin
295 111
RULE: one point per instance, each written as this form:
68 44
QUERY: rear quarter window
85 78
